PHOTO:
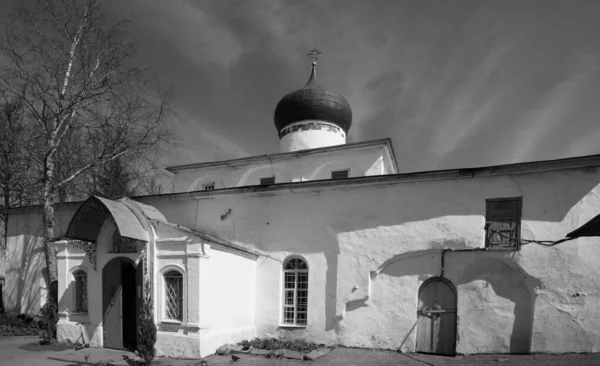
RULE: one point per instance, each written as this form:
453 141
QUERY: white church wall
348 233
363 161
227 299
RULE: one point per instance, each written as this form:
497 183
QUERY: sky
452 83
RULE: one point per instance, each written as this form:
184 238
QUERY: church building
330 242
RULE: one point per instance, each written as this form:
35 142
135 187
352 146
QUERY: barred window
340 174
81 296
174 295
267 181
295 292
208 186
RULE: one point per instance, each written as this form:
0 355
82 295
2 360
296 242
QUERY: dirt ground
11 354
356 356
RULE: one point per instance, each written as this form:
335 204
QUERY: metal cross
313 54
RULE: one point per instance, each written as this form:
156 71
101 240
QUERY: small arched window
295 292
174 295
81 295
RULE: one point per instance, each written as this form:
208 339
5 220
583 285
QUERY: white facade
360 159
371 244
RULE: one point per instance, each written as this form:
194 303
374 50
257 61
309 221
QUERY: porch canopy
87 221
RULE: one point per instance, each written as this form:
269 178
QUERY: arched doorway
436 324
121 287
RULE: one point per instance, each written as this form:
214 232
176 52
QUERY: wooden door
436 324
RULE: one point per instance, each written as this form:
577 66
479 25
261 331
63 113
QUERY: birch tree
73 72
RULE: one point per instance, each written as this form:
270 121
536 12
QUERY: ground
12 354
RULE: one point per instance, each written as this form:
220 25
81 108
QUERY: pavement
11 354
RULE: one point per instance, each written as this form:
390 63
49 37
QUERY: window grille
295 288
267 180
174 295
81 297
504 218
208 186
340 174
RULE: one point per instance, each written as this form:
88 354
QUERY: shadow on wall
463 269
24 272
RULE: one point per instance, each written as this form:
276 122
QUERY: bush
12 325
147 328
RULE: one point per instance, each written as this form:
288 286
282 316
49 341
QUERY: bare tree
72 71
17 185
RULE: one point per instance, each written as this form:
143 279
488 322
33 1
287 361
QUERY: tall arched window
81 297
174 295
295 292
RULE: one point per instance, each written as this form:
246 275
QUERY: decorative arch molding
197 185
294 256
79 267
172 267
282 174
318 173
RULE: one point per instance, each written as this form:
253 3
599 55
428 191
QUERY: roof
387 143
87 221
590 228
313 102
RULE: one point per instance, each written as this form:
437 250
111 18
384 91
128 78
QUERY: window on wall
340 174
503 215
267 180
81 297
208 186
295 292
174 295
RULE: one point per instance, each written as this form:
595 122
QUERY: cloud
200 142
555 109
192 28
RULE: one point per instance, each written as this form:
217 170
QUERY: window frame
271 180
296 289
182 301
346 171
80 272
517 220
210 186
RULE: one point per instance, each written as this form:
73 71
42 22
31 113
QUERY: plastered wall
365 161
371 248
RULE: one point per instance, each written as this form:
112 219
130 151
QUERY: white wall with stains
370 246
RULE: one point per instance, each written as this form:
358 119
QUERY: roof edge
319 150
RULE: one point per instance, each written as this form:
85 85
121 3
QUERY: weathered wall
370 248
367 160
25 286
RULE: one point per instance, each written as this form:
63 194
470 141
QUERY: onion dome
313 102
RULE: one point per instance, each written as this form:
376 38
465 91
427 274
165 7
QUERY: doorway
436 324
120 304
